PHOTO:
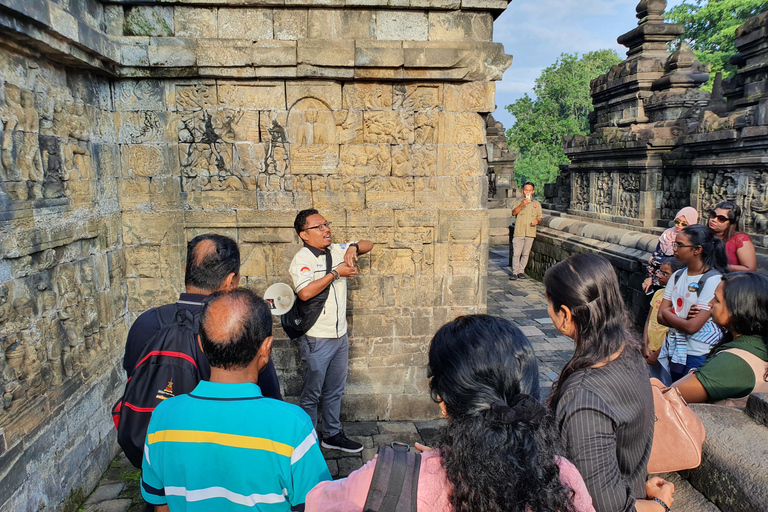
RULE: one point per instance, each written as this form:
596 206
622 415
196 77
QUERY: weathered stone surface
239 23
227 118
402 26
460 26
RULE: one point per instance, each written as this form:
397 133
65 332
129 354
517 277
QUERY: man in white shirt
324 345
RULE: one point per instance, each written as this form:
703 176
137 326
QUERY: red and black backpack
168 366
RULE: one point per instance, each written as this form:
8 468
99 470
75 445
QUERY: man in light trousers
528 213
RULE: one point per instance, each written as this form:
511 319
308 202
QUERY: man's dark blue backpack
169 365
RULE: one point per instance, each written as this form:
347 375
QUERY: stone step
688 499
734 469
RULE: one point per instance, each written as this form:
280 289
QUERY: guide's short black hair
232 328
301 219
529 183
208 265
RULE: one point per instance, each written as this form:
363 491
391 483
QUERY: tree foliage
710 29
560 108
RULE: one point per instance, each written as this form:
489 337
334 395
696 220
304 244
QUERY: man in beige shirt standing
528 213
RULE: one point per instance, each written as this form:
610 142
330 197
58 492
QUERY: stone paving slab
521 301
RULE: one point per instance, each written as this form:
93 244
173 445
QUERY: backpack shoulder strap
759 368
703 280
391 477
166 315
677 275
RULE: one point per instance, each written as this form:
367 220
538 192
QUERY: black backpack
304 313
395 480
169 365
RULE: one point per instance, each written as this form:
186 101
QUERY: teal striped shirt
225 447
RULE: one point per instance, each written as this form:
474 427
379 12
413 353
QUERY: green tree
560 108
710 29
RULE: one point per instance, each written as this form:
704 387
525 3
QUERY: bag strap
328 261
677 275
391 470
758 366
703 279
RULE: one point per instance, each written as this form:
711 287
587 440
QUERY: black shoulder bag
304 313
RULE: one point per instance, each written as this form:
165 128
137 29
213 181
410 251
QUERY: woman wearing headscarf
685 217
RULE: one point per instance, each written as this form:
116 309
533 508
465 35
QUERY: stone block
461 128
402 26
135 54
419 97
274 53
224 56
389 193
338 193
314 158
254 259
326 52
148 21
448 193
146 293
195 22
388 127
151 228
328 93
171 56
485 5
456 259
460 160
290 24
64 23
434 54
460 26
139 95
258 96
365 160
471 97
245 23
340 24
384 54
367 96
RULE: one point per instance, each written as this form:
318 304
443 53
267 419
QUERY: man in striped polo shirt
224 446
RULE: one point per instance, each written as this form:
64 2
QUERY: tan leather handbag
678 433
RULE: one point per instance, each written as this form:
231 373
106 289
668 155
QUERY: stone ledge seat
734 469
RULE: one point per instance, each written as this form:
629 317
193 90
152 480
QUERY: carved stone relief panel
676 194
580 199
717 187
629 195
603 193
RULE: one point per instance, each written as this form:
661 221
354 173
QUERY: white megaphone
279 298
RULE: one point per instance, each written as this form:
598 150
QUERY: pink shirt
349 494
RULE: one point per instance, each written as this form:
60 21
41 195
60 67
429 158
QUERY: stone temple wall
128 129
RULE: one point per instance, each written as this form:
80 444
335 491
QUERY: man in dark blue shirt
213 264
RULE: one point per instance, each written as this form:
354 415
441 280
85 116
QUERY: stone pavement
521 301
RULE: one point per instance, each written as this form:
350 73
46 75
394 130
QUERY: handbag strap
758 366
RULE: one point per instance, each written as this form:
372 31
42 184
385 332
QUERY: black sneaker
522 276
340 442
513 277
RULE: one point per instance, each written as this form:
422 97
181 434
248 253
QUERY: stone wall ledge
734 468
484 5
457 46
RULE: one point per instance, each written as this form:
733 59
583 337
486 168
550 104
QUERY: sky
536 32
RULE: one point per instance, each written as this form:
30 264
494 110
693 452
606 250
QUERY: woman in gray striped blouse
602 399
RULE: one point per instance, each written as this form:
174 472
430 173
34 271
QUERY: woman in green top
738 367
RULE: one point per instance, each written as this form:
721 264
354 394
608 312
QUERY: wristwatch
354 244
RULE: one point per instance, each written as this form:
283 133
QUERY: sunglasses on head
681 223
720 218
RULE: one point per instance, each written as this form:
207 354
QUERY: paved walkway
521 301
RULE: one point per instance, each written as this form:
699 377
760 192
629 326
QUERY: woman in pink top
724 223
497 451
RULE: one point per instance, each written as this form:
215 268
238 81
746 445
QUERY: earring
442 411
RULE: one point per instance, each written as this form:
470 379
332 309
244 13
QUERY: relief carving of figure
759 205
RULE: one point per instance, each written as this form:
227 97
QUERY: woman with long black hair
498 451
602 398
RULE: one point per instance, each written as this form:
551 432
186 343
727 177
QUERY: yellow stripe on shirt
233 440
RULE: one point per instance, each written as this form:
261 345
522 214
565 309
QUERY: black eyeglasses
676 245
321 227
721 218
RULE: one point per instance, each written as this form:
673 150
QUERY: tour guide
528 213
325 346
